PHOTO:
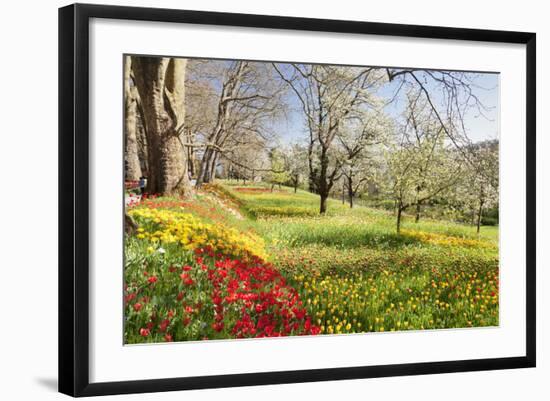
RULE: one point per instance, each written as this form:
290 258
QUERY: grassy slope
291 224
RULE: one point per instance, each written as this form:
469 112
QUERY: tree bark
479 215
212 167
141 138
132 165
322 185
161 85
417 216
399 211
190 156
350 191
311 171
205 168
323 206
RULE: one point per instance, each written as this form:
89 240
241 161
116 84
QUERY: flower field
242 262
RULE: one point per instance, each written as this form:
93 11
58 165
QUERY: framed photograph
250 199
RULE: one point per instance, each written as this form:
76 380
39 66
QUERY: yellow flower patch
441 239
169 226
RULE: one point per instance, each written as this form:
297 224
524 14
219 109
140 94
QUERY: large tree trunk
141 140
161 85
131 157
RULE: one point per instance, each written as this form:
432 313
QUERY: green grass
295 217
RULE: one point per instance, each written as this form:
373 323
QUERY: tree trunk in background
161 85
479 215
322 183
417 212
132 170
350 191
213 163
417 217
399 211
311 170
323 207
311 183
191 158
205 167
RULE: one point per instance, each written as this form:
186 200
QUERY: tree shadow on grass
342 239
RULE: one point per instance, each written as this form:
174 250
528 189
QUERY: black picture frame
74 198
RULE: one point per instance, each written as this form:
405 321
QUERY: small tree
358 139
421 167
277 175
357 173
296 164
328 96
479 190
